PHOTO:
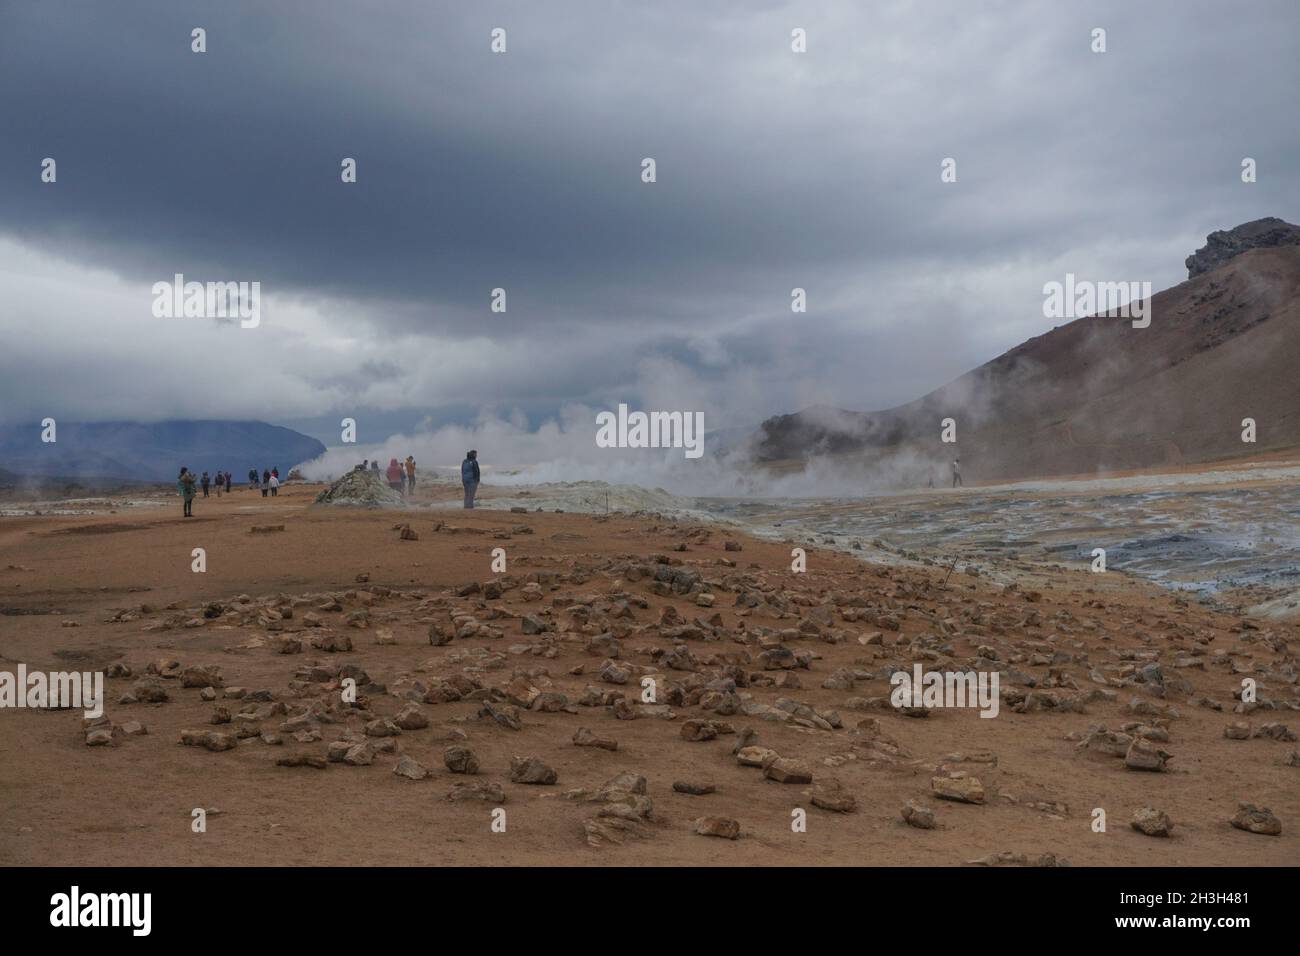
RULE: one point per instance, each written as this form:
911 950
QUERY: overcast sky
522 170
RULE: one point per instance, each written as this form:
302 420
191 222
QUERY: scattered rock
504 714
721 827
918 815
302 760
692 788
830 794
1255 819
411 717
409 768
787 770
202 675
962 789
1152 822
460 759
531 770
488 792
698 730
359 755
209 740
585 738
1146 756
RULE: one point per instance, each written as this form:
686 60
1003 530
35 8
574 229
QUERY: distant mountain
1098 394
153 451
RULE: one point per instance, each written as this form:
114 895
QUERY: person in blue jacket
469 477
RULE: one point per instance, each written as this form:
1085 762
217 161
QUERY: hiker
374 466
228 482
205 482
956 472
252 478
275 484
469 476
410 474
266 482
394 474
220 482
185 485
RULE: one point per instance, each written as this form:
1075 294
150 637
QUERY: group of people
222 482
401 475
269 481
188 484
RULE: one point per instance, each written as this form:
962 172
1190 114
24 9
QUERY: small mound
360 489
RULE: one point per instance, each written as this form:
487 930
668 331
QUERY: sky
522 170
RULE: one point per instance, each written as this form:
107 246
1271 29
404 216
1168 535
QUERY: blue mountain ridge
153 451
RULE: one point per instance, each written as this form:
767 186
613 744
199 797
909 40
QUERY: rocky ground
361 687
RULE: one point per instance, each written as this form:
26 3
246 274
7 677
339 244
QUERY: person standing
274 484
394 475
227 482
252 478
469 476
185 484
956 473
221 481
205 482
266 482
410 474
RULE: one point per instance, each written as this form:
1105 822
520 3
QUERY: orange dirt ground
63 802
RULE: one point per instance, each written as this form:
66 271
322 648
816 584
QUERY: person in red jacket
394 475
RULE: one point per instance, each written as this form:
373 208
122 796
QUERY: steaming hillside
1098 394
153 451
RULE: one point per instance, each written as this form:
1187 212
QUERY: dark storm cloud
522 170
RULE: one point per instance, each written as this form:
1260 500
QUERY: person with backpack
266 482
206 483
252 478
410 474
469 476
